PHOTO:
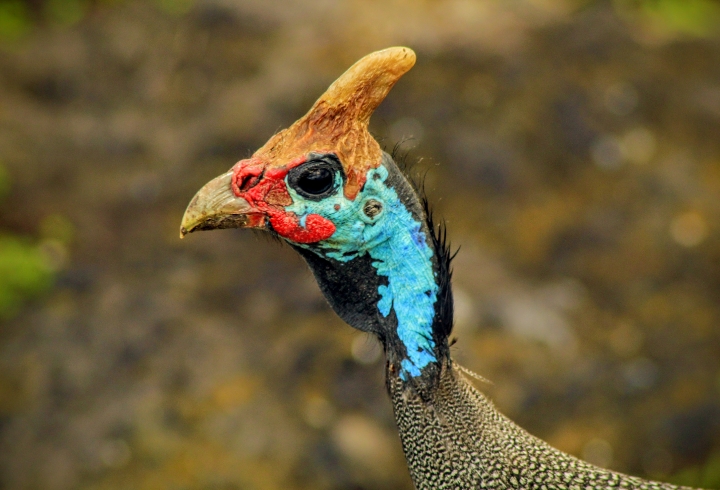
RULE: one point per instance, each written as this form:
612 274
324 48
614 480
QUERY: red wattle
287 225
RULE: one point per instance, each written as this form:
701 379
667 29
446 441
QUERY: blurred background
572 146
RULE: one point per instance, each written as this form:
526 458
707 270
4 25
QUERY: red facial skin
264 189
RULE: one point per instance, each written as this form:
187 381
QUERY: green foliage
66 12
24 273
14 20
693 17
702 476
25 270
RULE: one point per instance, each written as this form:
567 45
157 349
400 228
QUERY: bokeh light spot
689 229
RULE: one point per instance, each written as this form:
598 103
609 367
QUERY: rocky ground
574 152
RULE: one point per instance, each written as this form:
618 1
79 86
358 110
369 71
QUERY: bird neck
396 284
408 300
454 438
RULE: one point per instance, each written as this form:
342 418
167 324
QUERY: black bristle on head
401 158
443 324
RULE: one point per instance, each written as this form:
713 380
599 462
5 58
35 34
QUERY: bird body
325 187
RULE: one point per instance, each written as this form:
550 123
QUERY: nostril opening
247 182
246 177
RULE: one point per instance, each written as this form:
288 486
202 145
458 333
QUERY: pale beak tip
215 206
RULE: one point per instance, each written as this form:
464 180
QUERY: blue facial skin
399 250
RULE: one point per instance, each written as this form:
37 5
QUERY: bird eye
315 179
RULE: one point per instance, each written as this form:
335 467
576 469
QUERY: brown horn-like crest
338 121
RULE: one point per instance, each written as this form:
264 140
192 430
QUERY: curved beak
215 206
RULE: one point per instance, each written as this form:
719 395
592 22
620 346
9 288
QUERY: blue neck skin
399 249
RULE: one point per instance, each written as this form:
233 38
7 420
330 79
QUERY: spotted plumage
454 438
324 186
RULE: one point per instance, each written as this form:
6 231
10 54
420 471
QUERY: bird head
325 186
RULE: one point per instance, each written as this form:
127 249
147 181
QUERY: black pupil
316 180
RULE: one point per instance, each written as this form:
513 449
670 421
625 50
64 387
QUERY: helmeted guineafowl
325 186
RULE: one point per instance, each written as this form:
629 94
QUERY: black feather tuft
443 323
401 157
